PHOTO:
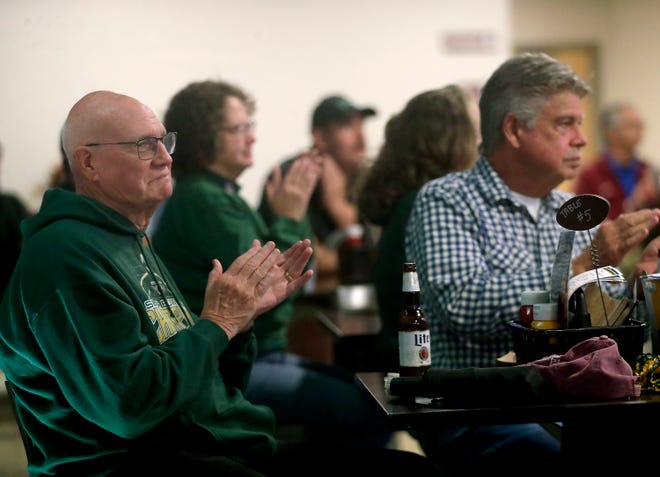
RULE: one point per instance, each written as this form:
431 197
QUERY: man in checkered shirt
480 237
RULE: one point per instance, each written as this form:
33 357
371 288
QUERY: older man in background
618 173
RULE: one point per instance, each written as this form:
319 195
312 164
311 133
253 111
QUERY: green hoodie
107 361
206 218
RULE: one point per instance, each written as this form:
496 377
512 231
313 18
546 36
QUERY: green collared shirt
206 218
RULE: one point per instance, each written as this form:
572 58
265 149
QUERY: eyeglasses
243 128
147 147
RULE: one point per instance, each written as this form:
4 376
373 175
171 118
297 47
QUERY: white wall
287 53
626 33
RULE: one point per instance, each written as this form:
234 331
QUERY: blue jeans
326 400
491 450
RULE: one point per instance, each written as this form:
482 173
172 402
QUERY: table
321 331
616 429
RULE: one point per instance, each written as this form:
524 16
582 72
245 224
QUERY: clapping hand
335 194
616 237
255 282
288 195
645 193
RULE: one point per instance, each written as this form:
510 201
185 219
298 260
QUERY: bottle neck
411 299
410 289
410 282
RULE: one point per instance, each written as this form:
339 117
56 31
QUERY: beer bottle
413 327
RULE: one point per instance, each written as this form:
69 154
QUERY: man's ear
318 136
511 129
84 162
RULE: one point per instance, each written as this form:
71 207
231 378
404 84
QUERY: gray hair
610 115
521 86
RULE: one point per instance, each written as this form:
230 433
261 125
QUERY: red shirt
599 178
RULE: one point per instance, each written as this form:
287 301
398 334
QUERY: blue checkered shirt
476 250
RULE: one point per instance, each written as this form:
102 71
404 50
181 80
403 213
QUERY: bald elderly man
109 367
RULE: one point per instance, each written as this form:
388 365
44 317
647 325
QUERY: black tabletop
405 413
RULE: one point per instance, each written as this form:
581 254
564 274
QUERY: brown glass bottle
413 327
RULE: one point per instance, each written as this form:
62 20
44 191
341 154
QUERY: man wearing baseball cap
337 109
337 133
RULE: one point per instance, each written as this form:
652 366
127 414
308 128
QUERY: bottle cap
529 297
354 231
545 311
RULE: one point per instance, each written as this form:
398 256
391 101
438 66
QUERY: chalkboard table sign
583 212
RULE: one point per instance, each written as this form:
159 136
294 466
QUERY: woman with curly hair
436 133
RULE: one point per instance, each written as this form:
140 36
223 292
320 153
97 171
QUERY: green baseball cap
336 109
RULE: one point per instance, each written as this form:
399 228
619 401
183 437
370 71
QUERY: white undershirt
533 204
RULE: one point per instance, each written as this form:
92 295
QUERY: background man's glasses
243 128
147 147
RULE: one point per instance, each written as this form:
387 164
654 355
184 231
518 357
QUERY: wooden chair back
27 442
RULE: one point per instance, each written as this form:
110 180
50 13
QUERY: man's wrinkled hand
254 283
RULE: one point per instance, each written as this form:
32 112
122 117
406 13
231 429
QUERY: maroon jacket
598 178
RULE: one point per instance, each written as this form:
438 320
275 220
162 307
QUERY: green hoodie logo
167 316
